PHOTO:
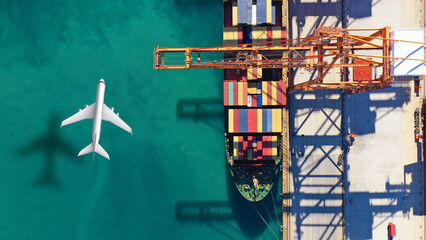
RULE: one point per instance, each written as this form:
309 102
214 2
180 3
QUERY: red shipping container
251 126
250 141
227 7
233 74
259 149
245 101
283 33
228 74
240 147
279 93
235 120
240 35
244 75
236 93
269 141
255 154
284 95
278 13
269 93
269 35
245 145
254 100
254 119
225 93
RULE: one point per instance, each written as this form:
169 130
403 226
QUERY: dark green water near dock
53 53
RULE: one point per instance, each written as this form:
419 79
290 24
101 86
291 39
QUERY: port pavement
381 178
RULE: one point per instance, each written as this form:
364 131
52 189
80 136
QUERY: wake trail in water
100 170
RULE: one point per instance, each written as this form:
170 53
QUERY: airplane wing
110 116
86 113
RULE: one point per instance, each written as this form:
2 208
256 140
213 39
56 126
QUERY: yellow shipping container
250 73
274 120
236 147
274 92
240 93
259 120
276 33
234 15
269 11
279 120
230 36
274 147
251 88
264 93
230 120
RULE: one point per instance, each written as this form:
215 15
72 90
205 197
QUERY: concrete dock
381 178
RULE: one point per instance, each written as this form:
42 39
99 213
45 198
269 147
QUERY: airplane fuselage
97 120
99 112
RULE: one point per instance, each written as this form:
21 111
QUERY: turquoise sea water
53 53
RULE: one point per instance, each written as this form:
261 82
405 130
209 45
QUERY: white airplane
98 111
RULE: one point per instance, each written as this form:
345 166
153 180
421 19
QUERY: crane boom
328 47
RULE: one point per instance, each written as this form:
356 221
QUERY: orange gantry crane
328 47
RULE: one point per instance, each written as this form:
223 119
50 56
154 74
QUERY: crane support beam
320 51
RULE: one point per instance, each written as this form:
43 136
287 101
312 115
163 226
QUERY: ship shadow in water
247 215
51 144
237 208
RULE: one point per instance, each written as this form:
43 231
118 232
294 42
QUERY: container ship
254 98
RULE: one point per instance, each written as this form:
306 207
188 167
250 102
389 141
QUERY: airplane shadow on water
51 144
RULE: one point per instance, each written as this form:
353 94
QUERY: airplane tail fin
98 150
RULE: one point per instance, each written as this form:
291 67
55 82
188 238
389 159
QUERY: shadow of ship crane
320 184
361 207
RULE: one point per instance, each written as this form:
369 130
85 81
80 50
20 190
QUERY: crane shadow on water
206 110
216 214
247 215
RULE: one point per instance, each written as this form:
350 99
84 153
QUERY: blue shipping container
263 16
249 35
269 120
273 15
264 120
245 112
259 100
249 12
242 11
259 11
240 120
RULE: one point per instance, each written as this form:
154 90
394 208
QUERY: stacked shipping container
253 97
254 93
252 120
255 147
259 25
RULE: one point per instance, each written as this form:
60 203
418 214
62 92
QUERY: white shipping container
408 50
253 15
